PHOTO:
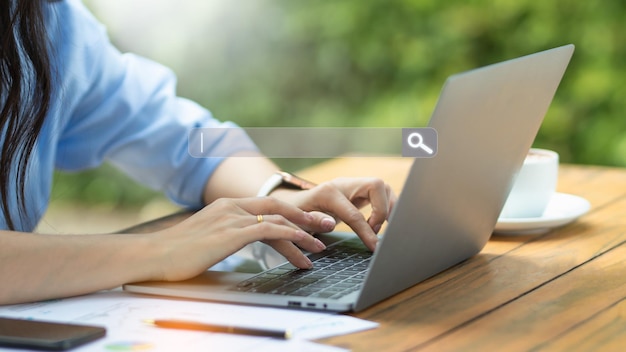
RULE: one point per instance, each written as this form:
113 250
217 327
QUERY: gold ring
259 218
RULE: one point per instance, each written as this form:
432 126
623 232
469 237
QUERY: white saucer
562 209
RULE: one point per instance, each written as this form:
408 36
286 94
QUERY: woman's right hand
225 226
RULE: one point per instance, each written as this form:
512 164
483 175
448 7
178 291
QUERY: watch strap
282 178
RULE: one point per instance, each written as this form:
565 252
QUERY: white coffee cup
534 186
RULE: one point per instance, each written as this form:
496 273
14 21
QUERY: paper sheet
123 315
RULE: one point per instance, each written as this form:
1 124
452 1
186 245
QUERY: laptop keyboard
337 271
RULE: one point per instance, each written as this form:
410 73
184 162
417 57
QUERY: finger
356 221
269 205
292 253
378 194
268 230
392 201
336 203
308 243
321 223
274 219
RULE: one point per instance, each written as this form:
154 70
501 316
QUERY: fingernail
328 224
320 244
377 227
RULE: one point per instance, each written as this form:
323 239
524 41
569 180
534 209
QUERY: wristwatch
283 179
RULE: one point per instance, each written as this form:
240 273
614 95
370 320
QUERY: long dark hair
25 93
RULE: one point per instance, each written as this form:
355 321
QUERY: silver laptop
486 120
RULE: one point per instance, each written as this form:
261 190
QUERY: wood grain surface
561 290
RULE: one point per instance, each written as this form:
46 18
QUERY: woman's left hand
342 198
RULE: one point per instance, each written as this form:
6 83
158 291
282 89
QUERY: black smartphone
45 335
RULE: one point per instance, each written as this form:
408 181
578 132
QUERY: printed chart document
125 315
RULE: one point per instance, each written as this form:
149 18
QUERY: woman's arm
238 176
37 267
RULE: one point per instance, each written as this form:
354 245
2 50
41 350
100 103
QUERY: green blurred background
366 63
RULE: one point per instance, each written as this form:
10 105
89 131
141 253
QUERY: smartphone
45 335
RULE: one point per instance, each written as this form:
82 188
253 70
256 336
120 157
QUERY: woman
70 100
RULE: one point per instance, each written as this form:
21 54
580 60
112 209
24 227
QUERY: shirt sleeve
123 109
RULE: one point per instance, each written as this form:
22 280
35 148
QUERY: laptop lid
486 120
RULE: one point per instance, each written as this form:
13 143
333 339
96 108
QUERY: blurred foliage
382 63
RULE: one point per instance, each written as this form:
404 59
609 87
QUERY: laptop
486 120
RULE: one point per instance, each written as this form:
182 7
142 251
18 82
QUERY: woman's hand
342 198
329 202
227 225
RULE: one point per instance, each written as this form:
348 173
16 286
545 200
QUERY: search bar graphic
321 142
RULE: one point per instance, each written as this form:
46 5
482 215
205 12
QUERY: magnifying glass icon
416 141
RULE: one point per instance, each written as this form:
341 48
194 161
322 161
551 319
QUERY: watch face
296 181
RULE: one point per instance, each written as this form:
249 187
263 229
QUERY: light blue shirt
118 108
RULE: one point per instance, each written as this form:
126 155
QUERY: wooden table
563 290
